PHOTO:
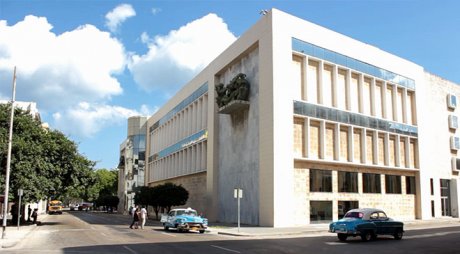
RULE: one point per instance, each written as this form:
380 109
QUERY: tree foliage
161 196
105 184
44 162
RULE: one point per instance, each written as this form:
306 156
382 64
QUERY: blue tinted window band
195 95
335 115
337 58
190 140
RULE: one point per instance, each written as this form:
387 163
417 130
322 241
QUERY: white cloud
118 15
145 38
57 70
172 60
155 11
86 119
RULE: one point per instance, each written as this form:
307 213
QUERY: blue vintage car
366 223
184 220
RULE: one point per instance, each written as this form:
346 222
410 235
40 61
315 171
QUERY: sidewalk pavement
14 236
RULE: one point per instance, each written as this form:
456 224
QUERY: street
87 232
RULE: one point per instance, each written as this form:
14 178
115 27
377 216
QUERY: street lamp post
8 159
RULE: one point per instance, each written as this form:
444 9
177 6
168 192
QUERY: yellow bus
55 206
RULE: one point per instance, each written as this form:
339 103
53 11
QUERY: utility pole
8 160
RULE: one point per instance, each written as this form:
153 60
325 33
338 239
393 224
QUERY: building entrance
445 197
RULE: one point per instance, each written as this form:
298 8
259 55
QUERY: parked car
366 223
184 220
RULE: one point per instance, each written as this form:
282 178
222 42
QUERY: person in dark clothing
35 215
29 213
135 215
135 222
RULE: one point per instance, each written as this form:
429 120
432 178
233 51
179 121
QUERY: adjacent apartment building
131 167
329 123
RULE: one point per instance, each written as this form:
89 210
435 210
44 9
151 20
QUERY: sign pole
238 212
8 159
20 193
238 194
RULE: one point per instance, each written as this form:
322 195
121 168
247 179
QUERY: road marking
169 234
431 235
222 248
130 250
335 243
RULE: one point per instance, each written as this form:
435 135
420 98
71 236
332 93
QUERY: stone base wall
397 206
196 186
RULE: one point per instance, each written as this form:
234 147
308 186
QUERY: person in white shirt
143 216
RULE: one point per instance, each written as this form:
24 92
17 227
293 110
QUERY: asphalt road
81 232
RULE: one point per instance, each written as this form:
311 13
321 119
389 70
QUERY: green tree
170 195
143 196
105 184
44 162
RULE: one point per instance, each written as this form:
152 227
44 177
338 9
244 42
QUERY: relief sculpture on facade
237 89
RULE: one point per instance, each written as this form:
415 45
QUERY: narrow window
410 185
431 187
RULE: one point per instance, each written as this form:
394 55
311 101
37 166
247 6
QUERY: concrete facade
331 123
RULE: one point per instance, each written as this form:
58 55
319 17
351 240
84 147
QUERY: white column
320 82
347 88
305 79
322 134
360 93
335 72
306 142
372 99
199 114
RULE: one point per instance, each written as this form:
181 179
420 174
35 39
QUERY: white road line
129 249
335 243
222 248
169 234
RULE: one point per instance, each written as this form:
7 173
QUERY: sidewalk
13 236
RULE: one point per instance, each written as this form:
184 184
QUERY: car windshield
354 215
186 212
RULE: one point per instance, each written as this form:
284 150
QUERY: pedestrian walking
143 214
135 222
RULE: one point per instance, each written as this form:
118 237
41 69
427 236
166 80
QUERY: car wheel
398 235
166 228
342 237
201 231
366 236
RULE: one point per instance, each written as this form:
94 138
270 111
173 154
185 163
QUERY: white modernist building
330 124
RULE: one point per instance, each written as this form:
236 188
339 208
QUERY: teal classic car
366 223
184 220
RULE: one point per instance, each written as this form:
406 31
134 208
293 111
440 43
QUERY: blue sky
90 64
